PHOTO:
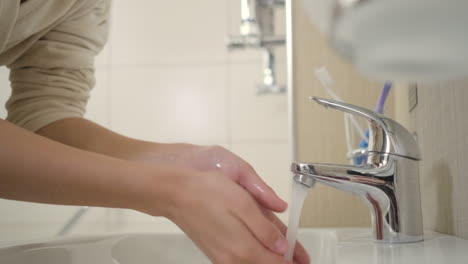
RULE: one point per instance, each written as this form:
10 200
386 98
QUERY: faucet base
400 240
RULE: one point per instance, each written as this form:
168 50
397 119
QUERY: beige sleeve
53 78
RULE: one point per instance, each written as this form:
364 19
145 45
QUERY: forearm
86 135
36 169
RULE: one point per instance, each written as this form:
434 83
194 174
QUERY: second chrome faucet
388 181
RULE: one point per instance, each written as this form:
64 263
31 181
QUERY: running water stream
298 195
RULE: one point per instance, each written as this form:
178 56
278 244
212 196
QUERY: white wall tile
110 220
122 220
5 91
272 162
154 32
97 109
170 104
35 221
255 117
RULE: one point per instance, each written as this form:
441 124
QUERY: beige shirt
49 47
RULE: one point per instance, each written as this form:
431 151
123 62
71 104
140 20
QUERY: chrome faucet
257 31
388 181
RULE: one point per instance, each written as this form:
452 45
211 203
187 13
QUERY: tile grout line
110 66
229 105
109 88
228 82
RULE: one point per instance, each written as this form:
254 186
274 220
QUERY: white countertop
325 246
355 246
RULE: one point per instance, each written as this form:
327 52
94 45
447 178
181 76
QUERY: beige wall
440 122
320 132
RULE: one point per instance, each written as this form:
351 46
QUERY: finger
271 258
246 247
300 254
254 252
263 193
259 225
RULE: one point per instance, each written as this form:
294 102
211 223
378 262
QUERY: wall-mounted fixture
257 31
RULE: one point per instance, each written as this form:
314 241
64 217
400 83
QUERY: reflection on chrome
388 181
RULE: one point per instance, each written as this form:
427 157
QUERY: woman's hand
219 162
215 158
222 218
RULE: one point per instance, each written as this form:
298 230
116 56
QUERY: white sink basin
326 246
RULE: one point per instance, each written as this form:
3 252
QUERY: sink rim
329 245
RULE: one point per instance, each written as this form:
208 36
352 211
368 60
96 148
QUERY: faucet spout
388 182
342 177
393 199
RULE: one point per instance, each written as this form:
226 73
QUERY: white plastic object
323 75
402 40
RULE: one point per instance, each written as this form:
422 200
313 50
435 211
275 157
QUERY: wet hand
221 162
224 220
215 158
